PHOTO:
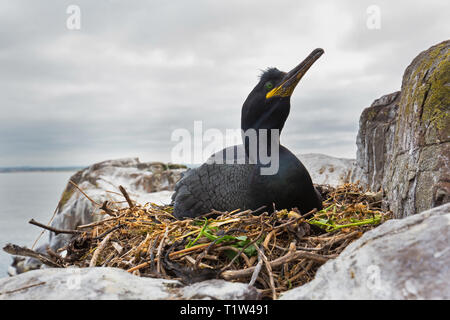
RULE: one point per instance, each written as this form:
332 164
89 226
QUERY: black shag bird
224 186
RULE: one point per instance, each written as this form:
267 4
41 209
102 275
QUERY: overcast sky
137 70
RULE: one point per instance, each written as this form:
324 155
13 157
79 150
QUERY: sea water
23 196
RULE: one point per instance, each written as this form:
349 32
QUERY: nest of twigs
272 251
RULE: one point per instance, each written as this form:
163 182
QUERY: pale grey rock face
401 259
84 284
112 284
375 141
328 170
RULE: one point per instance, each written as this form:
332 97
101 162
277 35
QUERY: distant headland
37 169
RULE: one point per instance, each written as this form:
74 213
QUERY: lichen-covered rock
418 176
404 138
401 259
375 141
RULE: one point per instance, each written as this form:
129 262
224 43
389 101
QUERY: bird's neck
262 129
261 144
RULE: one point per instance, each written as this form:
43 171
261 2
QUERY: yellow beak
292 78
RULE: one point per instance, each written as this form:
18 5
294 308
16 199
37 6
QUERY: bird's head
268 105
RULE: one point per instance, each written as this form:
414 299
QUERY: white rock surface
401 259
326 169
160 197
84 284
112 284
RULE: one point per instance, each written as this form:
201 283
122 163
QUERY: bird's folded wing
213 185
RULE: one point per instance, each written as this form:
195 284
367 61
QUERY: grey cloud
138 70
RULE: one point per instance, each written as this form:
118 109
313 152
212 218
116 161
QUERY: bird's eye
268 85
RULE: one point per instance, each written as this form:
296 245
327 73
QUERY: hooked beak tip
292 78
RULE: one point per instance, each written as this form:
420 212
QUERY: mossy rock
417 176
425 97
